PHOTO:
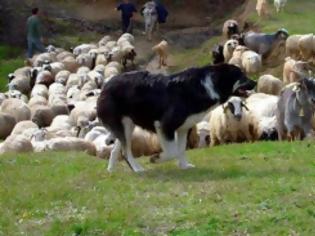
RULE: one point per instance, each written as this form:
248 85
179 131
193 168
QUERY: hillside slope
297 18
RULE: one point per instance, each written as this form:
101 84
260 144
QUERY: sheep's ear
244 105
225 107
71 107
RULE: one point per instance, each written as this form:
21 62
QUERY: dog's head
229 80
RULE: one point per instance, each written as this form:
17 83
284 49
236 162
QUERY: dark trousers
34 44
126 25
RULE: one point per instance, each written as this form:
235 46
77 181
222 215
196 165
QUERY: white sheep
269 84
294 70
104 40
230 27
62 55
307 46
237 56
251 62
54 67
83 49
204 134
39 90
70 64
264 107
7 123
229 48
21 83
43 58
62 77
110 45
23 126
16 108
126 36
45 77
64 144
85 59
57 89
15 94
231 123
61 122
292 46
16 144
42 115
37 100
102 140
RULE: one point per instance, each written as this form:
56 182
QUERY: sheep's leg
114 155
128 128
181 145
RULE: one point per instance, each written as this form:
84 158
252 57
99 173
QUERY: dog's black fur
217 54
146 98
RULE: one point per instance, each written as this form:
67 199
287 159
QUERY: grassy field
256 189
10 60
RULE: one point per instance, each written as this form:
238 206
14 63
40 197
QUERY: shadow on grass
201 174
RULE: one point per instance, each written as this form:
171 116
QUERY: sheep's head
11 76
235 105
39 135
47 67
239 50
231 44
282 34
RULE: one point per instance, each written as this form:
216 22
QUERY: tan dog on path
161 50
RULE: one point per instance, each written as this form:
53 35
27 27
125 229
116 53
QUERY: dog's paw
186 166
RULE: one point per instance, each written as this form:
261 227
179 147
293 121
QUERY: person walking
127 10
34 34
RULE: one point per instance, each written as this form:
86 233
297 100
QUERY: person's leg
125 24
29 48
130 27
39 45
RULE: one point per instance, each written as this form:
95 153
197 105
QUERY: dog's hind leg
128 129
114 155
181 145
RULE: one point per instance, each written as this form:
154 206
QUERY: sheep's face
282 34
232 28
11 76
232 44
39 135
235 106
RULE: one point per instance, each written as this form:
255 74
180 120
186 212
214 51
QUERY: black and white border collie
167 105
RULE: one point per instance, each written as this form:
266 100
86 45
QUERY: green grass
259 189
10 60
298 18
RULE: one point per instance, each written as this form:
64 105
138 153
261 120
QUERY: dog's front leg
169 147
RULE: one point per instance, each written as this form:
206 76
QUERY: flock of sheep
279 108
51 104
